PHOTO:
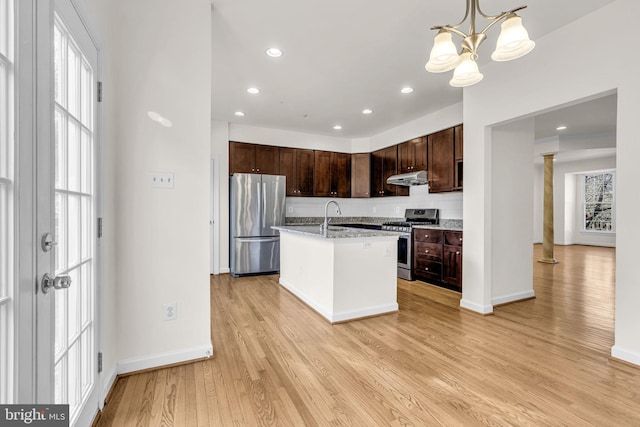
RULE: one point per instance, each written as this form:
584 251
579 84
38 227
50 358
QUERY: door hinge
99 362
99 91
99 228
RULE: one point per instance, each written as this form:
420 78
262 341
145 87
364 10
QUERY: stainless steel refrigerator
257 202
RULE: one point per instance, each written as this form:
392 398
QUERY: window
599 202
6 201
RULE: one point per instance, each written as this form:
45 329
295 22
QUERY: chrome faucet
325 226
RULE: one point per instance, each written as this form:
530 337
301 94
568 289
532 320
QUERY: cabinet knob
461 239
258 170
426 268
253 170
427 251
426 236
457 252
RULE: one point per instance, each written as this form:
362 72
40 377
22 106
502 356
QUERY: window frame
583 179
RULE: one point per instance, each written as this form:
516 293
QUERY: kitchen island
344 275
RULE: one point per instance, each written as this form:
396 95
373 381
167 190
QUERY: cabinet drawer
428 250
427 236
429 269
453 238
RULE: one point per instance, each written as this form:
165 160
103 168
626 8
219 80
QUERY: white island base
342 278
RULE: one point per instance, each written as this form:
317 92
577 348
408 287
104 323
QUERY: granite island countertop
335 232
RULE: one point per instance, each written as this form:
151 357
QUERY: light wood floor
539 362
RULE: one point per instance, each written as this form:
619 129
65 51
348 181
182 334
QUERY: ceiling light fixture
337 127
253 90
274 52
513 42
367 111
406 89
239 113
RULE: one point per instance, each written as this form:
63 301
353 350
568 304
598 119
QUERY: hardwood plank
540 362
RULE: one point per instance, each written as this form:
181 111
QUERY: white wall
546 78
286 138
158 59
512 207
220 152
567 190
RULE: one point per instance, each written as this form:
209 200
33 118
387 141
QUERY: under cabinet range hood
409 179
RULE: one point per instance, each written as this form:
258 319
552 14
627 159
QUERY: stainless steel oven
405 242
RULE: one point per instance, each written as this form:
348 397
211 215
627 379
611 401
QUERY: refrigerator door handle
260 206
257 239
264 204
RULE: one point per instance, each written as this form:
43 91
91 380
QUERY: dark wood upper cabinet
412 155
360 175
297 165
384 163
341 174
458 156
332 174
441 161
253 158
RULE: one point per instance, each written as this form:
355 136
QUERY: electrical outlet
290 209
170 311
397 209
366 244
375 209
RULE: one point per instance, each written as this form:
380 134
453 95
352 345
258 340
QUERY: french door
65 211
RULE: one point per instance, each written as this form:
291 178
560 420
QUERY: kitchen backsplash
450 205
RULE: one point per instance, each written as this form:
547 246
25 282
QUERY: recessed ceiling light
337 127
274 52
406 89
561 127
239 113
253 90
367 111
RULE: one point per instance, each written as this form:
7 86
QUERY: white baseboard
482 309
367 312
107 382
163 359
626 355
225 270
304 298
513 297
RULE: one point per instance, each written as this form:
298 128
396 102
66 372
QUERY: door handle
59 282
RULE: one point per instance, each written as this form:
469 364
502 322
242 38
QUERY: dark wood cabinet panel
458 157
305 160
440 159
412 155
384 163
242 158
267 159
437 257
360 175
297 166
332 174
253 158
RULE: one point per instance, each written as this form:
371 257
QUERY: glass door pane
74 225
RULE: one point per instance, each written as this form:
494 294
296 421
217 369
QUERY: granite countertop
334 232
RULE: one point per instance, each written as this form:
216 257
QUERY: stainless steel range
412 217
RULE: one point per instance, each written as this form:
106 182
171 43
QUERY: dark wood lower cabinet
437 257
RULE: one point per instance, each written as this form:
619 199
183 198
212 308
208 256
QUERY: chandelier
512 43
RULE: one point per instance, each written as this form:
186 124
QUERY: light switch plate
162 179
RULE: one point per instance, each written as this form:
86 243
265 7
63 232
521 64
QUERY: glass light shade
513 41
444 55
467 73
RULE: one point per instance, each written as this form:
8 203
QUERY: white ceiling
341 56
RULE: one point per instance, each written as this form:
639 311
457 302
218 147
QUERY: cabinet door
305 160
242 158
458 156
360 175
405 157
288 168
267 160
377 173
341 174
440 159
420 153
322 174
390 167
452 272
